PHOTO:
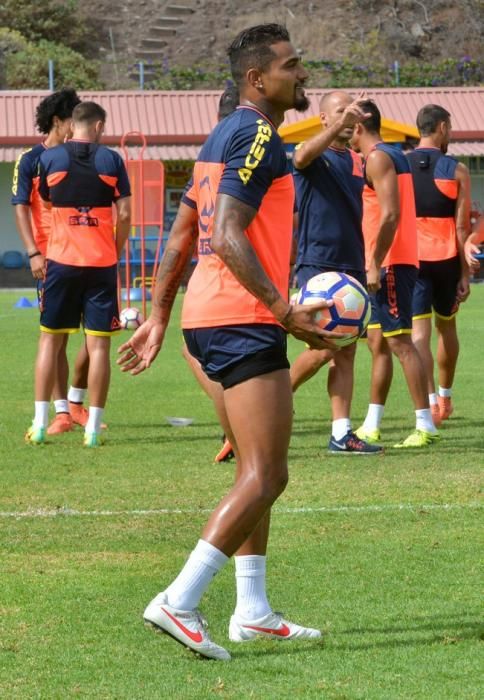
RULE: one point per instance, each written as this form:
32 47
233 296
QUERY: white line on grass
382 508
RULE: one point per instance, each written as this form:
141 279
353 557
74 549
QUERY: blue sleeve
123 187
22 179
252 162
44 190
186 196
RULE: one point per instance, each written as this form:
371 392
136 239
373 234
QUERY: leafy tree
25 65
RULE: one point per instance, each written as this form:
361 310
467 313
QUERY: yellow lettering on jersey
256 152
15 172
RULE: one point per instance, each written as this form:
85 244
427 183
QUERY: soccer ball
351 311
131 318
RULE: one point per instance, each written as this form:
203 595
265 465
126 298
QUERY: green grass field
381 553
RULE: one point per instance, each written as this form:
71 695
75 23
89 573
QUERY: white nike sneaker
185 626
272 625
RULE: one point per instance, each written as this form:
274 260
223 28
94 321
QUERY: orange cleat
62 423
436 417
80 414
445 407
226 453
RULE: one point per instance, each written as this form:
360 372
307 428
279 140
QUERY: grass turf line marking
383 508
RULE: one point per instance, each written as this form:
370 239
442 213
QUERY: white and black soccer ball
351 311
131 318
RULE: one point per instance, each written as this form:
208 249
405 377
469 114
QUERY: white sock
76 395
94 421
203 563
61 406
41 415
250 577
341 426
424 420
433 399
445 393
373 417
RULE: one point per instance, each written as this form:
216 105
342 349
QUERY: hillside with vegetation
181 44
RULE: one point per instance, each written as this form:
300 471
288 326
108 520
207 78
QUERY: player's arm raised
382 176
230 243
141 349
313 147
463 226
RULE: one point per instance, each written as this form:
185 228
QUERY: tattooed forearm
178 251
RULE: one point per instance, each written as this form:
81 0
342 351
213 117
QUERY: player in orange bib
33 219
390 232
443 201
81 180
235 319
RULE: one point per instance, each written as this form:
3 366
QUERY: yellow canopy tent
301 131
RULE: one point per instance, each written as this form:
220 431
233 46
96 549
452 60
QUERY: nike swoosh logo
194 636
283 631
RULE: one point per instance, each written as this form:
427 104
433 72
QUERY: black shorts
436 289
305 272
71 294
231 355
391 306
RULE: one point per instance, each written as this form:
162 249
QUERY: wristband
33 255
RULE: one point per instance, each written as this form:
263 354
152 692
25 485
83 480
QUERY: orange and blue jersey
25 190
329 203
403 250
243 157
82 180
436 190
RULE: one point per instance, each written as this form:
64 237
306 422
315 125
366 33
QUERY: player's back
403 250
436 190
82 180
244 158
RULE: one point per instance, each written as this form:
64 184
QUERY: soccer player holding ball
235 318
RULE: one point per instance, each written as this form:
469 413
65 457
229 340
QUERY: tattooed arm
140 350
230 243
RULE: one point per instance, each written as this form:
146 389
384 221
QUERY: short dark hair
89 112
229 100
429 117
60 104
251 48
373 123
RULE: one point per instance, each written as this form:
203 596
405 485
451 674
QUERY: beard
301 104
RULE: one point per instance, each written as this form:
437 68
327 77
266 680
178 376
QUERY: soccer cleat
80 415
352 444
372 437
446 408
62 423
435 413
93 440
185 626
419 438
226 453
35 436
271 626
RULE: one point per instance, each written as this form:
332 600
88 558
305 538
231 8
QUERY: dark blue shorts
71 294
305 272
436 288
391 306
233 354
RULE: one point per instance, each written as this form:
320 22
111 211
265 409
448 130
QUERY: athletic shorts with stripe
391 306
71 294
436 288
